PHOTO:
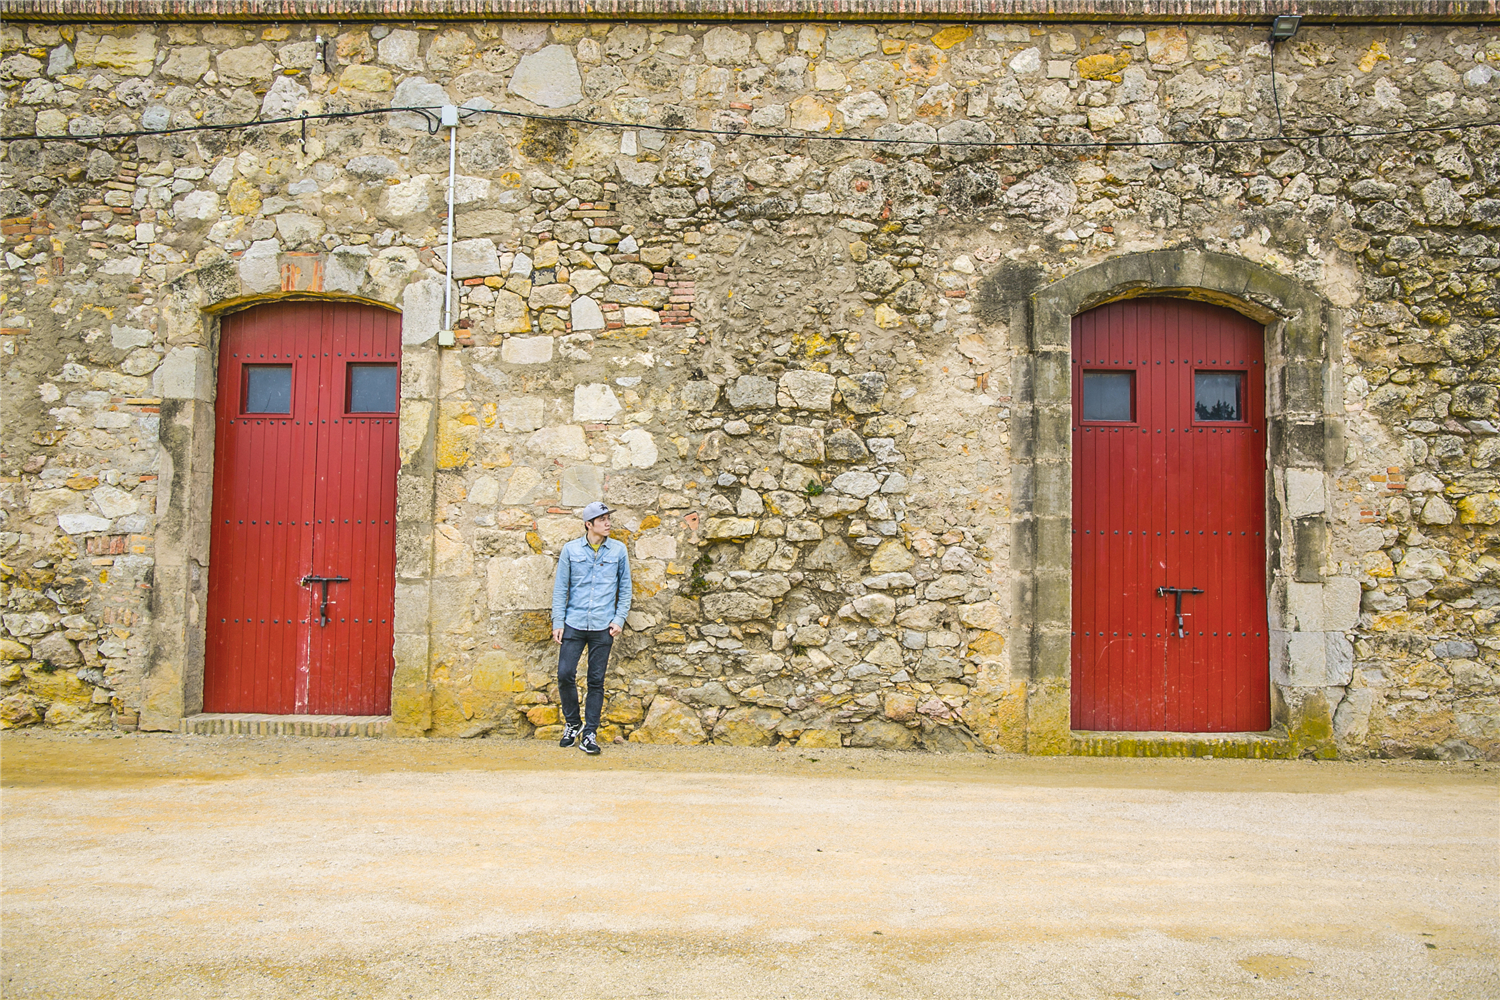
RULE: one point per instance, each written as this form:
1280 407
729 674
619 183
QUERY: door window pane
1217 395
268 389
1108 395
372 389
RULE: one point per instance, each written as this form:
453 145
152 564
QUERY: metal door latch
323 618
1177 592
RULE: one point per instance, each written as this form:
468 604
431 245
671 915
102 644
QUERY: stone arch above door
191 304
1305 430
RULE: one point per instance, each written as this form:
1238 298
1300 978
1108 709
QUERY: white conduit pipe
450 119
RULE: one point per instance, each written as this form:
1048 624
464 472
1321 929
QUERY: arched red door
1169 461
302 552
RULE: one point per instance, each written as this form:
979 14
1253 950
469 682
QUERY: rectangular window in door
1218 397
266 389
1109 396
372 389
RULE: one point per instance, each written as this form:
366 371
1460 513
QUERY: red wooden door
1169 492
304 494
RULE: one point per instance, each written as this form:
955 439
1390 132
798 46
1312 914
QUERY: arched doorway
1170 629
302 544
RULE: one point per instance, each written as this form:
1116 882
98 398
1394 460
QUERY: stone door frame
189 312
1304 432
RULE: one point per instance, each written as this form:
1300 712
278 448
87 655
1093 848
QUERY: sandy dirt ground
181 866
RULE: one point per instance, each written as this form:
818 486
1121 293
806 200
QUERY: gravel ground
179 866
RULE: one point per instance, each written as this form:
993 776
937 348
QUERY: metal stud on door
304 500
1169 602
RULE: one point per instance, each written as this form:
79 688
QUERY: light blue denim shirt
592 589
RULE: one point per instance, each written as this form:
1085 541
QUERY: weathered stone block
1311 659
133 54
806 390
595 403
247 65
748 727
670 722
801 444
1305 492
736 607
843 445
751 392
475 258
520 584
878 609
857 484
729 528
581 484
585 314
881 734
863 393
548 78
699 395
526 350
1479 508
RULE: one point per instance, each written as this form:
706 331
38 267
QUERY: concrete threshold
255 724
1273 745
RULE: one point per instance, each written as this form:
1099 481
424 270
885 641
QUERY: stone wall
804 368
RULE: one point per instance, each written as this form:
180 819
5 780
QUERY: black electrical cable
434 124
1275 97
988 143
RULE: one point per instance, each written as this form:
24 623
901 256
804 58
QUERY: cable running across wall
430 113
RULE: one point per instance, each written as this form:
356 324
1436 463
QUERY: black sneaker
569 736
589 745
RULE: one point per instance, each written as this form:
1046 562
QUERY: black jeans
598 642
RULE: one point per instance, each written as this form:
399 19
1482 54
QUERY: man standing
590 599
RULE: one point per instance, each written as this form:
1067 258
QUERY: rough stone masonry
811 373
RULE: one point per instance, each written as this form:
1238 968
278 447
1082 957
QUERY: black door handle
326 580
1177 592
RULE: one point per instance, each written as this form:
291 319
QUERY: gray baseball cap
595 509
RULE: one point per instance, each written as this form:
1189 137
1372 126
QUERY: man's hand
557 636
614 630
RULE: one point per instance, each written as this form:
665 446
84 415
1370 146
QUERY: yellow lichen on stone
534 540
996 713
1376 54
371 79
1103 66
458 428
648 578
497 670
244 197
812 343
650 521
1377 564
886 317
987 645
951 36
532 626
1479 508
